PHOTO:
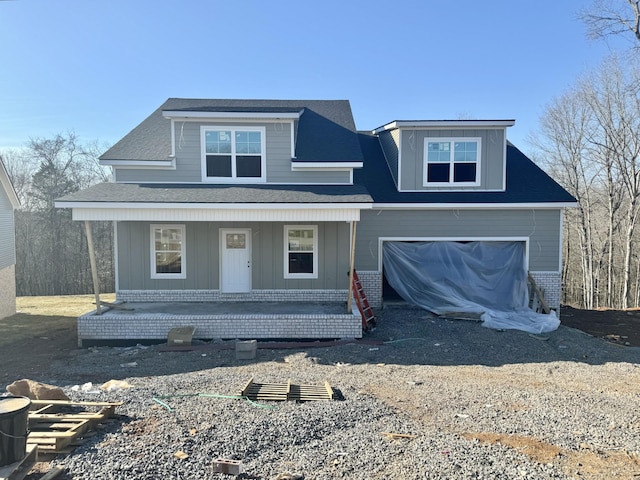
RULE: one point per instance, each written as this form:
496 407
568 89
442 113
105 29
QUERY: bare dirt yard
478 403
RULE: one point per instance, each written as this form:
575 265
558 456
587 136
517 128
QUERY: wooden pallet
54 431
286 391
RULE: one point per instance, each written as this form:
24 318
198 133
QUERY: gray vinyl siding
189 158
491 158
7 236
203 257
390 143
542 227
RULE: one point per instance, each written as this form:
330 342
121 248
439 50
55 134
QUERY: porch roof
206 202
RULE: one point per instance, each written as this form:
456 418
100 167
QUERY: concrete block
180 335
230 467
246 350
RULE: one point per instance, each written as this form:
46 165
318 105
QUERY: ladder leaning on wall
366 312
536 297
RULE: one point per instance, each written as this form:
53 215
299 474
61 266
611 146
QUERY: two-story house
8 203
278 200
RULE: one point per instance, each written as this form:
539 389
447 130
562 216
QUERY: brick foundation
551 285
372 284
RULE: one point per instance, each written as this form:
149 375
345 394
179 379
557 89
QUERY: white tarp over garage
488 278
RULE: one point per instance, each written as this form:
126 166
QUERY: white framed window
300 251
233 154
168 251
452 161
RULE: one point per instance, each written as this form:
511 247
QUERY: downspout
351 265
94 268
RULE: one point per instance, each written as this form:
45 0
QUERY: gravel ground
477 403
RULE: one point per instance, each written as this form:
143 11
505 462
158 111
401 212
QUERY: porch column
94 268
351 265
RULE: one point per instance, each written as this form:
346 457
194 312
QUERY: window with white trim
168 251
301 251
452 161
233 154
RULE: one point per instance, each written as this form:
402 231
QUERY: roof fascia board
189 115
155 164
445 124
474 206
214 206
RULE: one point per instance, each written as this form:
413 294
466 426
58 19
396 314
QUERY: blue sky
99 67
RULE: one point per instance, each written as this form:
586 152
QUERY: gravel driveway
475 403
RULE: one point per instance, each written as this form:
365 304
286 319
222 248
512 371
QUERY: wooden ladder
368 318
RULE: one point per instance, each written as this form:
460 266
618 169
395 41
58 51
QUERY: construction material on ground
55 431
115 306
286 391
18 470
53 473
180 336
229 467
246 350
396 436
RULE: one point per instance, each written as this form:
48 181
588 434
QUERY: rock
36 390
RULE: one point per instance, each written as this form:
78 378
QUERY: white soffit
347 214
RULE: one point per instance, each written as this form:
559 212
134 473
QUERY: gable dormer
446 155
240 141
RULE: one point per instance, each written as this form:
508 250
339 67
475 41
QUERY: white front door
235 260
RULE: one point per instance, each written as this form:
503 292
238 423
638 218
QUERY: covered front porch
133 322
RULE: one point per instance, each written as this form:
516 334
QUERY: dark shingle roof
320 120
205 193
526 182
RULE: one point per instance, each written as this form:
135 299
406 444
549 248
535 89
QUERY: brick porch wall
250 326
7 291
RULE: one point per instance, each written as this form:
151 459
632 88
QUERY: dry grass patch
585 464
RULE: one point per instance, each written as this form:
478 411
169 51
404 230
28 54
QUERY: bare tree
614 98
613 17
589 140
52 256
564 130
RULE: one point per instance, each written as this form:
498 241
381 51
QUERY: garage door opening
488 278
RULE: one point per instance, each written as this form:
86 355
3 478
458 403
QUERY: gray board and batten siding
541 227
188 159
411 157
203 257
7 237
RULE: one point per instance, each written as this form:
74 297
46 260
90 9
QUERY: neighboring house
260 200
8 203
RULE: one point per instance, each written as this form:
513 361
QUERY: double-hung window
301 251
233 154
452 161
168 251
